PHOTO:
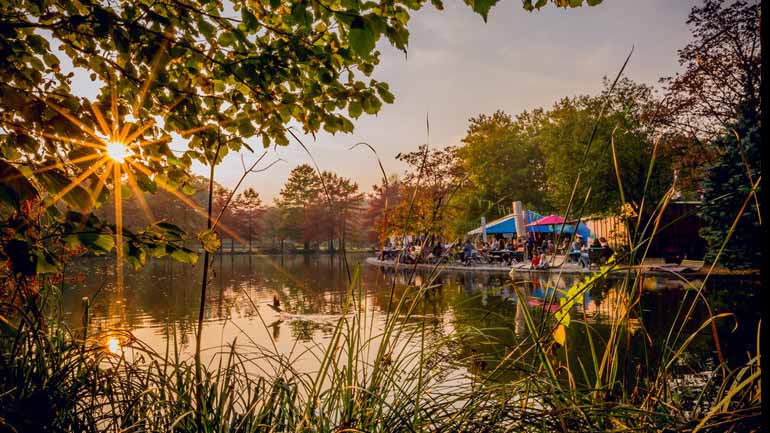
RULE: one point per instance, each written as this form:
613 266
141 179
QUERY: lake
159 305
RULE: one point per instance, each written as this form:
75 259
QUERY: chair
596 256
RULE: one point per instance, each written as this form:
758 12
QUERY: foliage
426 192
568 139
504 163
317 207
729 184
721 69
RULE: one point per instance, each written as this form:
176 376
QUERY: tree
503 163
247 205
728 185
341 202
717 100
300 191
432 180
564 135
721 69
380 205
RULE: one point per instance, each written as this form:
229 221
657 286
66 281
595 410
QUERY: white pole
484 229
521 222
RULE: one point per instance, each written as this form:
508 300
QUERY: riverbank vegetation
279 64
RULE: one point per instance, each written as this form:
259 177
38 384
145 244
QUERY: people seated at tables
583 260
410 255
495 245
436 253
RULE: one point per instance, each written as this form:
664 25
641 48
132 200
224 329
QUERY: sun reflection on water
113 345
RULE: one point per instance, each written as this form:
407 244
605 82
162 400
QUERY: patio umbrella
549 220
553 222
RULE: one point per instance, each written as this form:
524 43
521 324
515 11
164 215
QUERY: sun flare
117 151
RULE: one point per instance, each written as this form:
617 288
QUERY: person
530 245
575 248
551 247
495 245
534 262
437 252
606 250
542 261
583 260
467 251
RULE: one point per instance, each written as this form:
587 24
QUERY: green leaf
56 182
15 187
184 255
171 231
355 109
96 242
481 7
45 263
210 240
361 37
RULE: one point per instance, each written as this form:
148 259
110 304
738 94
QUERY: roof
507 224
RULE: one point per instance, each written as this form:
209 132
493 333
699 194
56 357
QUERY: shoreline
654 270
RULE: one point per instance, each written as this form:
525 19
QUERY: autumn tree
341 204
379 209
298 194
246 206
432 179
717 99
721 69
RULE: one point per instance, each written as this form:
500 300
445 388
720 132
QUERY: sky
458 67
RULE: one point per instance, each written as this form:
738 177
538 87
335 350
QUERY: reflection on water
160 303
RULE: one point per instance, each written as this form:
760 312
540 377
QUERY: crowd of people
434 250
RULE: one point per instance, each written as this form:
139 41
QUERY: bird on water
276 305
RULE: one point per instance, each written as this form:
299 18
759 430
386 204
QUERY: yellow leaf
560 335
210 240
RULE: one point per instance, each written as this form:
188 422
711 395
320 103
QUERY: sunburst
120 152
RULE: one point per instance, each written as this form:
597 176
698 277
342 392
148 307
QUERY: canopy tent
507 224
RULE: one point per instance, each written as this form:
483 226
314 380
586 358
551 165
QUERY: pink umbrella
550 220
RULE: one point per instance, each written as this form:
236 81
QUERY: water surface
159 305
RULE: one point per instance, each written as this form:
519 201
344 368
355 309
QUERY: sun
118 151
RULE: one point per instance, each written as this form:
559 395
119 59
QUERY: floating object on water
276 305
